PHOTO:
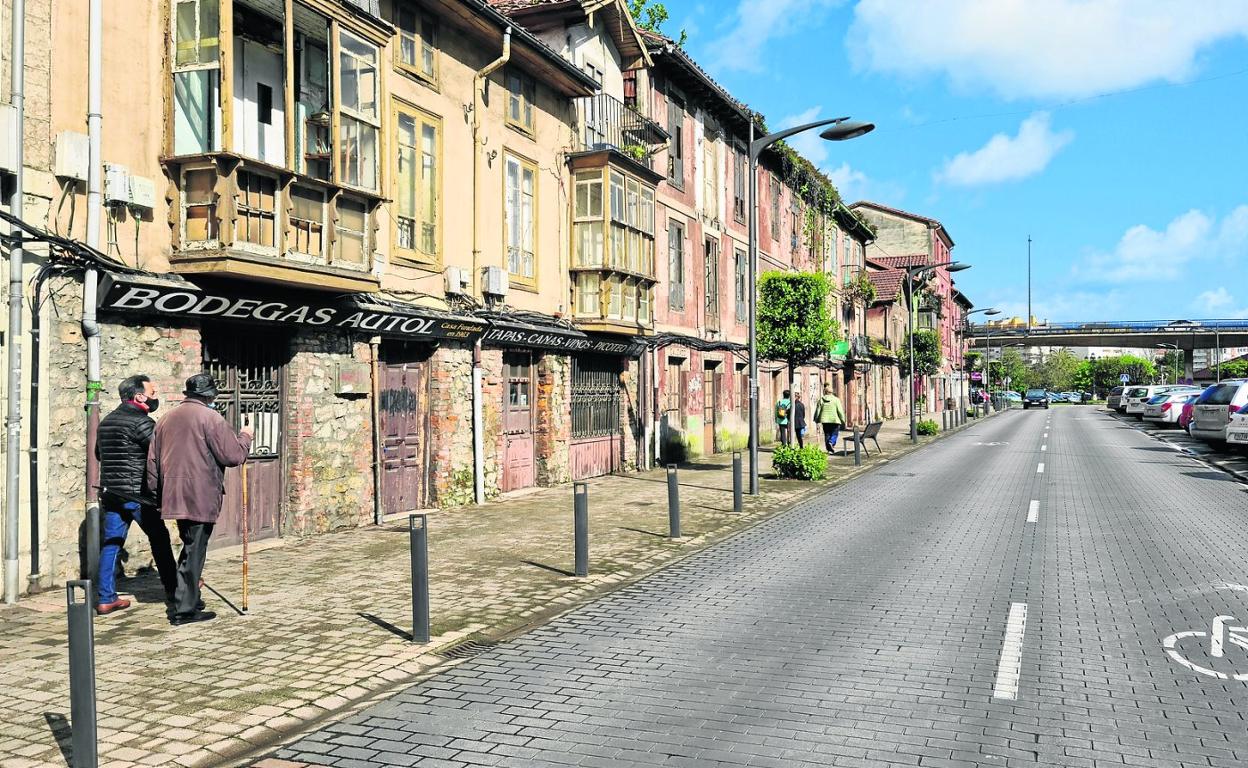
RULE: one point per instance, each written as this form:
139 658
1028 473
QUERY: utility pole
1028 285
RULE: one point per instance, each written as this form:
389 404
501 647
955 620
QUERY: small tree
651 15
1012 367
794 321
1233 369
926 353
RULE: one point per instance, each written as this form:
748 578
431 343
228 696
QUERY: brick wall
554 418
450 427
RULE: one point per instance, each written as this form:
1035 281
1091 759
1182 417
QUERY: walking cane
243 471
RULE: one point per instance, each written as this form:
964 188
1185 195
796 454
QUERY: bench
871 433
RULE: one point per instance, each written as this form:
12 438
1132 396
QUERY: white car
1237 429
1135 398
1166 406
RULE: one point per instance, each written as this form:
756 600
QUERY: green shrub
927 427
809 463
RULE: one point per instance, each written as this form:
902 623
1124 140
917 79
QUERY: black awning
560 338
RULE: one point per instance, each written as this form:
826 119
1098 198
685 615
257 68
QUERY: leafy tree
973 361
794 320
1010 366
1171 365
1234 369
1104 374
1056 372
926 353
651 15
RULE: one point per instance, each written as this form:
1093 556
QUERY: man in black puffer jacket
121 446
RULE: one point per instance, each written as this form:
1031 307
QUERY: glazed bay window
351 235
519 226
359 121
588 224
613 246
417 179
418 42
255 204
196 77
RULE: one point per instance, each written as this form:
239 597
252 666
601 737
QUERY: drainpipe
477 104
13 466
478 429
655 416
374 347
91 328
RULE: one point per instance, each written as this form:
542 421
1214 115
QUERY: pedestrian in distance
186 464
784 407
121 447
799 420
831 416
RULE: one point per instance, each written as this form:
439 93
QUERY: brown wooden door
710 379
519 470
249 368
404 406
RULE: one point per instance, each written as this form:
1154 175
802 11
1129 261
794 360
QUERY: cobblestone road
869 628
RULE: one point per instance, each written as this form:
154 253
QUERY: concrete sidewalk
329 615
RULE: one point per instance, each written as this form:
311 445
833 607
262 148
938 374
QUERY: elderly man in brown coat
186 464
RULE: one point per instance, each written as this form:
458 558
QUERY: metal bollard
419 538
944 419
580 526
673 503
736 482
81 614
857 448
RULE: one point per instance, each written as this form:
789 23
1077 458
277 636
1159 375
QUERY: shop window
307 221
255 201
358 119
520 195
418 181
196 77
521 93
418 42
676 265
199 207
351 235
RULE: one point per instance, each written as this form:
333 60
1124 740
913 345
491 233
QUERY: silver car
1215 407
1165 407
1134 399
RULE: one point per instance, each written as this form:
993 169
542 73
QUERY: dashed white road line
1044 448
1011 653
1033 511
1046 434
1040 469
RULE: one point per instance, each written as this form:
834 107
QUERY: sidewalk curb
244 757
1221 466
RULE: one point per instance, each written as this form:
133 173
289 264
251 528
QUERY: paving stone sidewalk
328 617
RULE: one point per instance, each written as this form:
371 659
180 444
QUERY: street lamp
989 313
1175 347
911 273
839 129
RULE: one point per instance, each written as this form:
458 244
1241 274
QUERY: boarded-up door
249 369
518 465
404 406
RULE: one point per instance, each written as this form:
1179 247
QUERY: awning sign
504 334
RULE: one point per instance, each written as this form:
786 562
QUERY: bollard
673 503
736 482
857 448
944 419
580 526
419 539
82 720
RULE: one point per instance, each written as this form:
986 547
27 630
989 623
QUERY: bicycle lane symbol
1220 634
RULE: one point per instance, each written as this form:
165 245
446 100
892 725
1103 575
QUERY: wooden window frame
420 42
741 278
291 226
415 254
370 244
676 144
526 282
740 191
676 299
277 214
774 208
342 112
527 98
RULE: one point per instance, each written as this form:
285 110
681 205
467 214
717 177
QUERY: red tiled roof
901 262
887 284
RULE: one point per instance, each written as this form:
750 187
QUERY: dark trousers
190 566
782 433
830 433
799 432
118 514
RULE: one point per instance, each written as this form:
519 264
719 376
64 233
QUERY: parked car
1165 407
1013 397
1037 397
1076 397
1214 408
1058 397
1114 401
1185 415
1237 429
1135 398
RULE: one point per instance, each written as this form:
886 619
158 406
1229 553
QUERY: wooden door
404 406
249 370
519 470
709 381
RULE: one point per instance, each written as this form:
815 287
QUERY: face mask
152 404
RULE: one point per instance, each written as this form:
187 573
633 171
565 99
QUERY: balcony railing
608 123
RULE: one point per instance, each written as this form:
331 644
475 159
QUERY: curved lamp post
839 129
911 273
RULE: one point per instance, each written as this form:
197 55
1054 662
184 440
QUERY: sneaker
120 604
192 618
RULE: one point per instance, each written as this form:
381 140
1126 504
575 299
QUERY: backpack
782 411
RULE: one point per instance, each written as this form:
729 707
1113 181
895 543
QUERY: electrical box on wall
457 281
116 184
8 138
73 156
142 192
494 281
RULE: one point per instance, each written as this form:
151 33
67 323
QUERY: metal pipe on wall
374 347
13 421
90 327
478 429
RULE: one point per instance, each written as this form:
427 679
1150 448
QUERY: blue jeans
830 433
118 514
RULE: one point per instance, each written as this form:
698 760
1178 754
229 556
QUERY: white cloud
755 24
807 144
1042 48
1144 254
1008 158
1218 303
1055 306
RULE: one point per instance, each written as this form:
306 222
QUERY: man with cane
186 464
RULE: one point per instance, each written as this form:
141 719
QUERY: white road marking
1046 434
1011 653
1040 469
1033 511
1044 448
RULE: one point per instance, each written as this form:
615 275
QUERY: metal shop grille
595 396
247 366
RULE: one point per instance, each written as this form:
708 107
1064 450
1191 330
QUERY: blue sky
1114 133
